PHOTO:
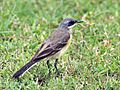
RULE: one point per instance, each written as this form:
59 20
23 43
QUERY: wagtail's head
69 23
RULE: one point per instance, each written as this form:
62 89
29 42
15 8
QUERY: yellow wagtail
53 47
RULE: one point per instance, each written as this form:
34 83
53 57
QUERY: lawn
93 59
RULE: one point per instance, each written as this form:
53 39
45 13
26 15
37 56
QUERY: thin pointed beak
79 21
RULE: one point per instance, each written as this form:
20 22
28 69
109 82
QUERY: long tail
37 57
23 69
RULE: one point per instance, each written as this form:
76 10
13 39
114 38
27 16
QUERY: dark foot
57 73
55 65
48 64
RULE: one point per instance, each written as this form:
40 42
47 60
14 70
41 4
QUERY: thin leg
48 64
55 65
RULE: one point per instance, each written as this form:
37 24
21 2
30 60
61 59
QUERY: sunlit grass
93 59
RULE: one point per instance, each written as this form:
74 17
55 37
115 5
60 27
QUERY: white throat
70 27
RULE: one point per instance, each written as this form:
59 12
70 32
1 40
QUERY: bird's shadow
41 80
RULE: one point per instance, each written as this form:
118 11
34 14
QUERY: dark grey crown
67 22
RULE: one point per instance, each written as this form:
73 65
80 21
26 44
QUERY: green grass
92 61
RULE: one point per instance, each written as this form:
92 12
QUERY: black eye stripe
71 23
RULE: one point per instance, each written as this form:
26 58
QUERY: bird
53 47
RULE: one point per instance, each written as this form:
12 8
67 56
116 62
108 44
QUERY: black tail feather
23 69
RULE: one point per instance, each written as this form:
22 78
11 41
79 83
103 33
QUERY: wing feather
51 48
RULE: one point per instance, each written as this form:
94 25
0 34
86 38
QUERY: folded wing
50 48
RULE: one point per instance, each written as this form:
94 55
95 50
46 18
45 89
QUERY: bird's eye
71 23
